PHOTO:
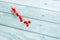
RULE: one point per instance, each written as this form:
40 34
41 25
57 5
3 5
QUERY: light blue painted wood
44 22
39 27
15 34
40 14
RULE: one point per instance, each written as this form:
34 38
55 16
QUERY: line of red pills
20 17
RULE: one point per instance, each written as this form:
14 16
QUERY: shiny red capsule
21 18
15 11
27 23
17 14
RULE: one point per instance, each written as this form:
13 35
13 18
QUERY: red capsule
17 14
21 19
27 23
14 9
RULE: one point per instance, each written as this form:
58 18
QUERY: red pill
27 23
21 19
14 9
17 14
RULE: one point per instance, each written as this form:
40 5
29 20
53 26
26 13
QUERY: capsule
15 11
21 18
17 14
27 22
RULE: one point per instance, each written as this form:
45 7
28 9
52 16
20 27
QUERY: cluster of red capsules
27 22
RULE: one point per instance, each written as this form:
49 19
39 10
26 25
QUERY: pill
21 18
14 9
27 22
